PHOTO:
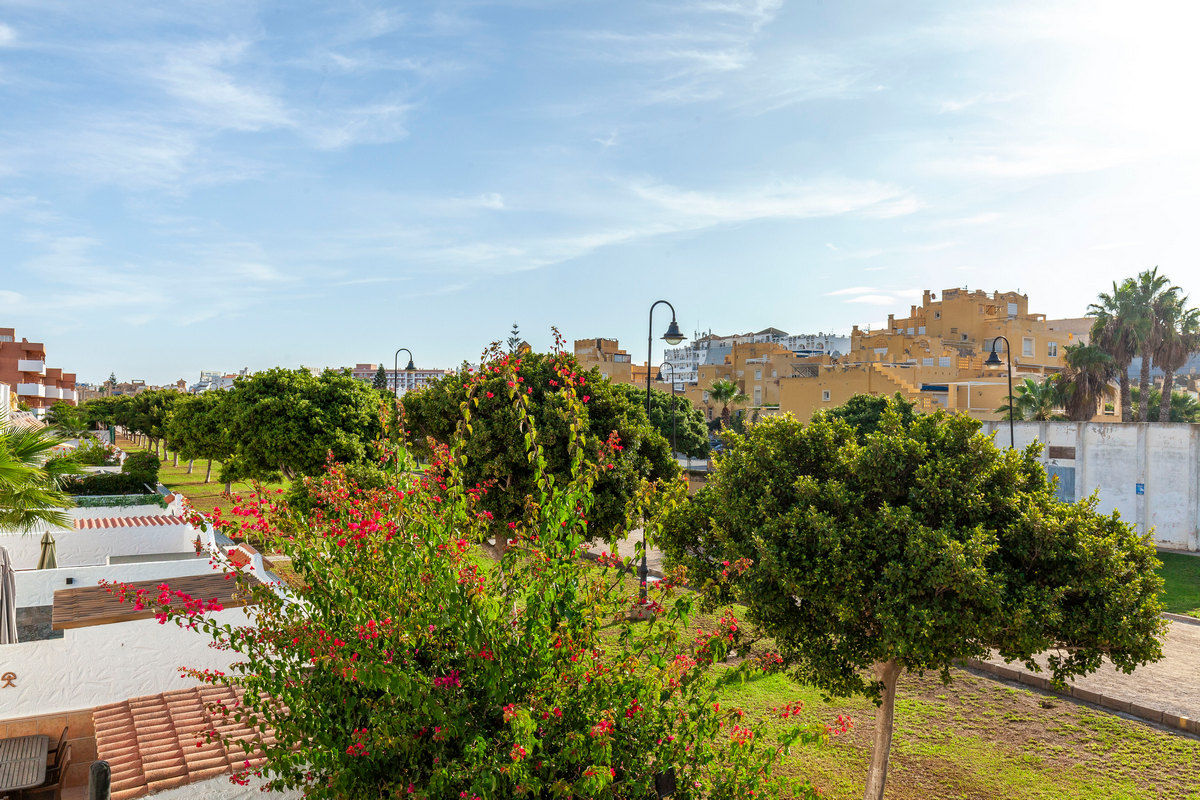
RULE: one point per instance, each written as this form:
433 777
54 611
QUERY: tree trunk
176 462
1144 386
191 461
886 673
208 472
1164 405
1126 398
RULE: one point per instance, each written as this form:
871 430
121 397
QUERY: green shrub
121 501
91 453
107 483
143 464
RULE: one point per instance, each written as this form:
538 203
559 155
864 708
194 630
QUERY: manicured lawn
203 496
1181 573
978 738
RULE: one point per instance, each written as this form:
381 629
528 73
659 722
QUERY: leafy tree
197 429
1182 407
410 669
380 382
514 339
30 478
691 432
1176 338
914 549
70 421
1085 380
864 412
726 393
495 453
288 422
1152 295
1120 329
112 379
1036 401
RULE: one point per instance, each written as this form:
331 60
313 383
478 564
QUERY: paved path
626 548
1171 685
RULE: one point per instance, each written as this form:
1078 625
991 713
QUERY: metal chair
57 749
55 778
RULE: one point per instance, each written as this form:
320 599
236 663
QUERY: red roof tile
127 522
155 743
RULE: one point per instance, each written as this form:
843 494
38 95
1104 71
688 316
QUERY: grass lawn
1181 574
203 496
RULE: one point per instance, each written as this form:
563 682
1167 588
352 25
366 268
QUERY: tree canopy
197 428
912 549
691 431
496 453
864 412
285 421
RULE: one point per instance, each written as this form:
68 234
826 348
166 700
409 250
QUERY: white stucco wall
1113 458
36 587
118 511
105 664
88 547
224 789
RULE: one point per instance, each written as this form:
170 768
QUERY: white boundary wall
36 587
92 546
103 664
1148 471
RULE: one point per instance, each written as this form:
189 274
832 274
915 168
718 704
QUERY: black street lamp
994 361
396 367
660 377
673 336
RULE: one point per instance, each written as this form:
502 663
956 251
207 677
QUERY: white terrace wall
1148 471
92 546
103 664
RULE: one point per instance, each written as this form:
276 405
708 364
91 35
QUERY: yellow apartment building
934 356
607 356
759 370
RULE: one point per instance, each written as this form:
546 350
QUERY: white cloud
8 36
874 299
373 124
852 290
197 76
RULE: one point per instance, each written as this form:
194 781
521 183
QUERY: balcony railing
68 394
53 392
31 365
31 390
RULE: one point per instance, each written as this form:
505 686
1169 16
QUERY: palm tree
1151 297
1086 379
1036 401
1177 336
1182 407
1119 330
29 481
726 392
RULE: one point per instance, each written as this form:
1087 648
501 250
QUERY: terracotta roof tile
153 743
126 522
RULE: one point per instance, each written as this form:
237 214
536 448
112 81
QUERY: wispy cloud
7 35
198 77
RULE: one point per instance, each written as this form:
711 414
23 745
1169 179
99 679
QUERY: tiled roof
156 742
237 556
127 522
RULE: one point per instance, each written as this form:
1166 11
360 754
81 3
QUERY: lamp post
660 369
993 360
673 336
396 367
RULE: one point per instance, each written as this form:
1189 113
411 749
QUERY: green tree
495 452
380 381
1153 295
1176 338
1035 400
1121 326
288 422
70 421
910 551
197 429
726 393
514 339
30 494
1182 407
691 432
864 412
1085 380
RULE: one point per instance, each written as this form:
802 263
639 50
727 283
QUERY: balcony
31 365
31 390
68 394
53 392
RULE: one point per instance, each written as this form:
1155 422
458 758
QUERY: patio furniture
53 786
57 749
23 762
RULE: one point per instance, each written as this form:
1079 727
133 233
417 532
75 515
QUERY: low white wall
90 547
36 587
118 511
1148 471
105 664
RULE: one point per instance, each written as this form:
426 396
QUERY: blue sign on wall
1140 488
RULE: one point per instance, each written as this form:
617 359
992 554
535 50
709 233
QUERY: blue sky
212 185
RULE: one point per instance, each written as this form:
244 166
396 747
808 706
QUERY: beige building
935 356
607 356
759 370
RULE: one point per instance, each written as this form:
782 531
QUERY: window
4 337
757 396
937 315
1027 346
964 337
709 410
706 399
926 362
921 330
1052 349
909 331
1012 310
826 395
774 373
758 374
943 361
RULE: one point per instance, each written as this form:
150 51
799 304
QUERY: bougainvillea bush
410 665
